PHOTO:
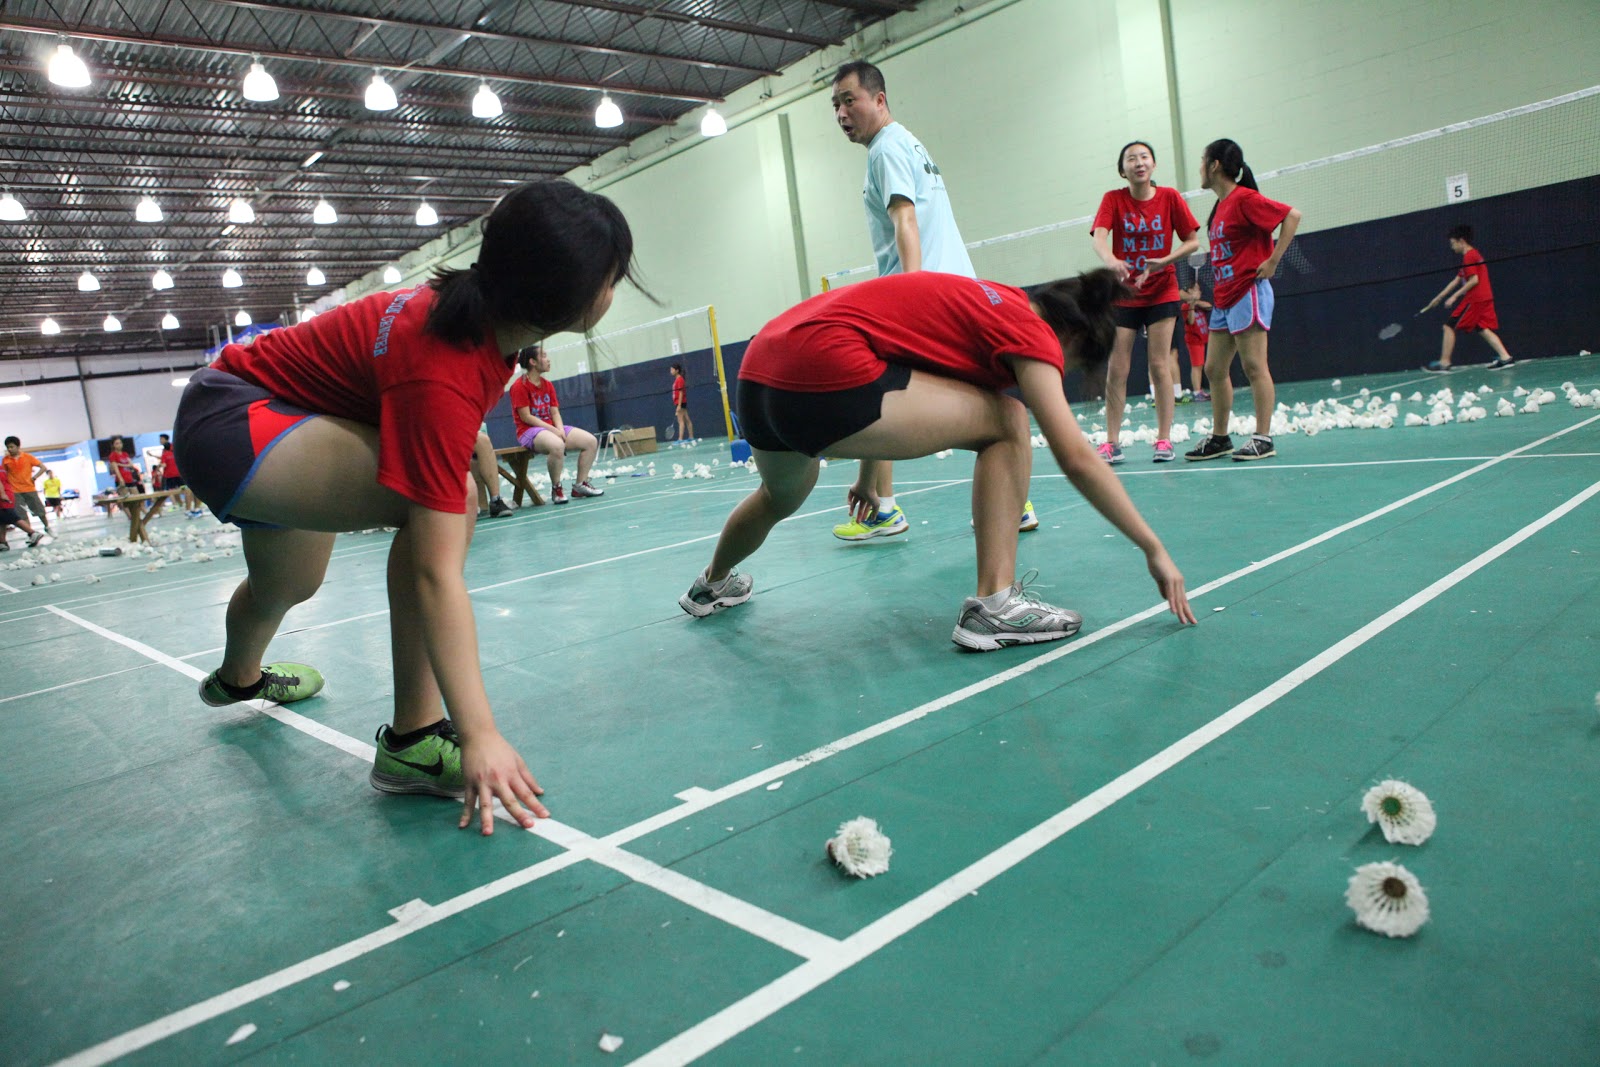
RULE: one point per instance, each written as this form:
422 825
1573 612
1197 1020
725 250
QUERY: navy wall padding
636 396
1337 288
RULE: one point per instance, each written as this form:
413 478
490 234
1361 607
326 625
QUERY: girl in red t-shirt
541 429
1476 310
909 364
1243 261
366 416
680 403
1152 228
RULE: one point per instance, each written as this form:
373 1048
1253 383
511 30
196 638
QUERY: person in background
540 427
22 471
486 472
1476 312
52 493
680 403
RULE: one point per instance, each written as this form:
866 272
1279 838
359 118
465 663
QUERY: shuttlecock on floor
93 579
860 848
1519 391
1403 812
1504 407
1531 407
39 579
1413 419
1336 383
1387 899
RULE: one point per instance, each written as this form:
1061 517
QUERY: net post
722 375
825 285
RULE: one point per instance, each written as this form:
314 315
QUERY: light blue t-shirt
898 165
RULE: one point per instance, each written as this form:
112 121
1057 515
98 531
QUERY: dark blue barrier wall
637 396
1337 288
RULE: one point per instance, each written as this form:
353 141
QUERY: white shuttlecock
860 848
151 568
1484 390
610 1042
1531 408
93 579
39 579
1402 811
1387 899
1413 419
1504 407
1336 383
201 557
1519 391
55 577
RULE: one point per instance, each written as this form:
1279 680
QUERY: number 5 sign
1455 189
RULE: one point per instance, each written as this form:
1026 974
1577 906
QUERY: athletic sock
996 601
244 692
885 505
395 741
1261 437
1220 437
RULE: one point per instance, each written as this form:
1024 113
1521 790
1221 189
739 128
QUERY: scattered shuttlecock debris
1403 812
860 849
610 1042
1387 899
93 579
243 1032
340 986
1336 383
55 577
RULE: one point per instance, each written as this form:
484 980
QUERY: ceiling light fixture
314 276
241 211
161 279
66 69
242 319
169 321
15 398
49 327
713 124
112 324
87 283
426 216
391 274
608 114
231 279
11 209
485 104
147 210
258 84
380 95
323 214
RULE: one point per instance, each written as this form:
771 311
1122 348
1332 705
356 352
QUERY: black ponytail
549 249
1079 311
1230 157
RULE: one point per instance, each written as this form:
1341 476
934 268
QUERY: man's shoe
704 599
1213 447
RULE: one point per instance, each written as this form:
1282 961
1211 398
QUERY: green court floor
1130 847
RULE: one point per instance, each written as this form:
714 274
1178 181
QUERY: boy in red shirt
680 403
540 427
1153 229
1243 260
1477 304
1196 336
906 365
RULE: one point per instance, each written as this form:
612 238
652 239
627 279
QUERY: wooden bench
139 516
515 471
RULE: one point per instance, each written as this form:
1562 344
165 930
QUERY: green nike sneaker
285 684
431 764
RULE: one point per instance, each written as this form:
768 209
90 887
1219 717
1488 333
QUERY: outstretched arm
1040 385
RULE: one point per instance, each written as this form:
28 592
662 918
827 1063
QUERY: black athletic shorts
1133 318
173 482
8 517
783 420
225 427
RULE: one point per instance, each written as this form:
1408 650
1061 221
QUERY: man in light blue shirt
911 225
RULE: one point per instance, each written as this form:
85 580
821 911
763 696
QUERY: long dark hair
1230 157
1148 147
1079 311
548 250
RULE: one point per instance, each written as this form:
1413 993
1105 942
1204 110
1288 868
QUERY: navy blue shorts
785 420
224 428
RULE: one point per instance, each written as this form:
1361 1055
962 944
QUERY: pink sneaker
1163 452
1111 453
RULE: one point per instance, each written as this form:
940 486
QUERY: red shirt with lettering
1240 235
537 398
680 391
169 463
1142 230
948 324
1472 266
373 361
122 468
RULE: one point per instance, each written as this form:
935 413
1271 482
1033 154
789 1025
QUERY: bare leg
786 480
1253 355
885 486
484 471
1447 346
1161 367
1117 380
1495 343
1219 369
587 446
554 448
285 568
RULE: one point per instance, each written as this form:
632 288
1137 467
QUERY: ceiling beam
748 29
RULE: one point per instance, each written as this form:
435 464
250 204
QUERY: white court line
69 685
249 993
778 994
9 588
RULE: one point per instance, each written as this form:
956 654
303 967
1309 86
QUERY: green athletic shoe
431 765
286 683
885 524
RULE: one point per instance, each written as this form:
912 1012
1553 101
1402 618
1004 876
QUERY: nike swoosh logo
435 769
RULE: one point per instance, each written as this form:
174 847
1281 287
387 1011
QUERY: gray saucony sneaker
1024 620
703 598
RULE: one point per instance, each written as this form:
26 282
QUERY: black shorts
1132 318
783 420
9 517
175 482
225 427
52 502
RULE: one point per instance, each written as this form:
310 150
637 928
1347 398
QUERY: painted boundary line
778 994
229 1000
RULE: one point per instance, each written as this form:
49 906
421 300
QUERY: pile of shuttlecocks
1386 897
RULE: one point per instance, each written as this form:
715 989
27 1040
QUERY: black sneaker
1438 368
499 509
1498 364
1213 447
1258 448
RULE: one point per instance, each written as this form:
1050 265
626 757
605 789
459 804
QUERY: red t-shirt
372 361
1472 266
1196 325
540 398
948 324
680 391
1142 230
169 464
122 469
1241 240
